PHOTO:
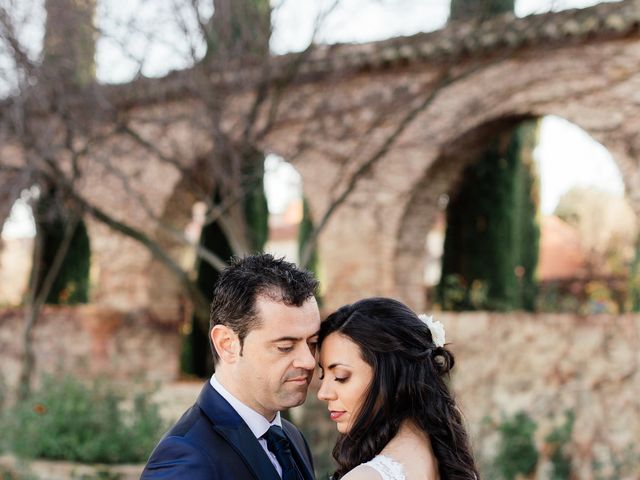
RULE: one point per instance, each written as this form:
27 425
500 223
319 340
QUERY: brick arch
165 291
443 177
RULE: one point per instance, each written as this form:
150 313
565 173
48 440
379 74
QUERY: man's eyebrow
293 339
286 339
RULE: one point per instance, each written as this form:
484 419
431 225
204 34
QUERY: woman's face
345 377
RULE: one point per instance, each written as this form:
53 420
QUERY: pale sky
567 156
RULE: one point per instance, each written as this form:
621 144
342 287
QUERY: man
263 331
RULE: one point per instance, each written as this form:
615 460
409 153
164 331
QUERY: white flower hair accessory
435 327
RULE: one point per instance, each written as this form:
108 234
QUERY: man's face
278 357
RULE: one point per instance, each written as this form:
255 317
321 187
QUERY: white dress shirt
255 421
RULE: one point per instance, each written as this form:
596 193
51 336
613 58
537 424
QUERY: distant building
562 255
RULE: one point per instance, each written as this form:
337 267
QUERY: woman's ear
226 343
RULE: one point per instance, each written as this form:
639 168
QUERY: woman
382 370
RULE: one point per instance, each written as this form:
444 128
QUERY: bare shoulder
362 472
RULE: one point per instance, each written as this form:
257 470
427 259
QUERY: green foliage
553 298
634 280
3 399
66 420
557 440
255 202
71 284
517 452
456 292
492 237
3 393
306 228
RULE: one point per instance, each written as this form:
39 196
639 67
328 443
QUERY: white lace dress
388 468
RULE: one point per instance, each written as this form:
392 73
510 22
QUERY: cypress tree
492 238
256 210
306 228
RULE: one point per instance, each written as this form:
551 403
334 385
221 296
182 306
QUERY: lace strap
388 468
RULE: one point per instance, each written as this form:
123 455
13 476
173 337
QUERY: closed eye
285 349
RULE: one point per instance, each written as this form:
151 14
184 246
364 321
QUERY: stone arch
165 291
442 177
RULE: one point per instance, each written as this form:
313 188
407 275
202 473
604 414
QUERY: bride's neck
409 430
411 438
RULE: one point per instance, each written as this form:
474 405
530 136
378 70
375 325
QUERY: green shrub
67 420
557 440
517 452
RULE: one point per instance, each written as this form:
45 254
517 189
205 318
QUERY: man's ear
226 343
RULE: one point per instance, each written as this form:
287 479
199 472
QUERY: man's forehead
302 321
274 298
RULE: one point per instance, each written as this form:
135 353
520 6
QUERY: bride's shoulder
379 468
363 472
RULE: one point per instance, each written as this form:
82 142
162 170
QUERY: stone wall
547 365
89 341
544 365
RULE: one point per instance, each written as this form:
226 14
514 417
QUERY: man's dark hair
246 279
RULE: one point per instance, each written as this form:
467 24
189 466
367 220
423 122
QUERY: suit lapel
299 454
232 428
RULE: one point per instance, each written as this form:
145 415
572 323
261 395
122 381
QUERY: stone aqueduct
452 88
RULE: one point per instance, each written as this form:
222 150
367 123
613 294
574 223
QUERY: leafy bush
517 452
67 420
557 439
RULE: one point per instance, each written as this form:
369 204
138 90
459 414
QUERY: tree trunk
69 42
479 9
35 302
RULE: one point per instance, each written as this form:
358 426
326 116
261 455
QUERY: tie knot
278 444
276 439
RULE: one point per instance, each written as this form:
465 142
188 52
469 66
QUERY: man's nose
305 359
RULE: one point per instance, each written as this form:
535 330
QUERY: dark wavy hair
409 373
247 278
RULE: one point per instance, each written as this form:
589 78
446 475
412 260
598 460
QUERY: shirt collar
255 421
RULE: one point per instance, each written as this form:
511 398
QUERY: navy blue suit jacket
212 442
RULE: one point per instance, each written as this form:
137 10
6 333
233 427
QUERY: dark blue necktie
278 444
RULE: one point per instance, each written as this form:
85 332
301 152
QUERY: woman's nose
325 394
